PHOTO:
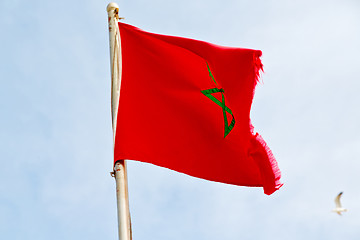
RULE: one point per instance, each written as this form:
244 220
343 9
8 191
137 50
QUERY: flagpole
123 213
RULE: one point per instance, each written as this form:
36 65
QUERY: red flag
185 105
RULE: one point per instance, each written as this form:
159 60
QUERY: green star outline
208 93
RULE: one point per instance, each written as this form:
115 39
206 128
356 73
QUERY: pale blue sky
56 139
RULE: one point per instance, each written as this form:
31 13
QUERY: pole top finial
112 6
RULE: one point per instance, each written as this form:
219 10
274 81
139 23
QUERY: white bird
339 209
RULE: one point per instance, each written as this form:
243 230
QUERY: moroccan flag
185 105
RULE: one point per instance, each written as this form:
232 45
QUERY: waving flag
185 105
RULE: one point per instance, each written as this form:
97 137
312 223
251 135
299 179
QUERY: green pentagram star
208 93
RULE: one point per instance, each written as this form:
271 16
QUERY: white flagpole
124 223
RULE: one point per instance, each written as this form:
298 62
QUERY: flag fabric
185 105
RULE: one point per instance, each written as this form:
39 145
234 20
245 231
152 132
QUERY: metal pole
124 223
